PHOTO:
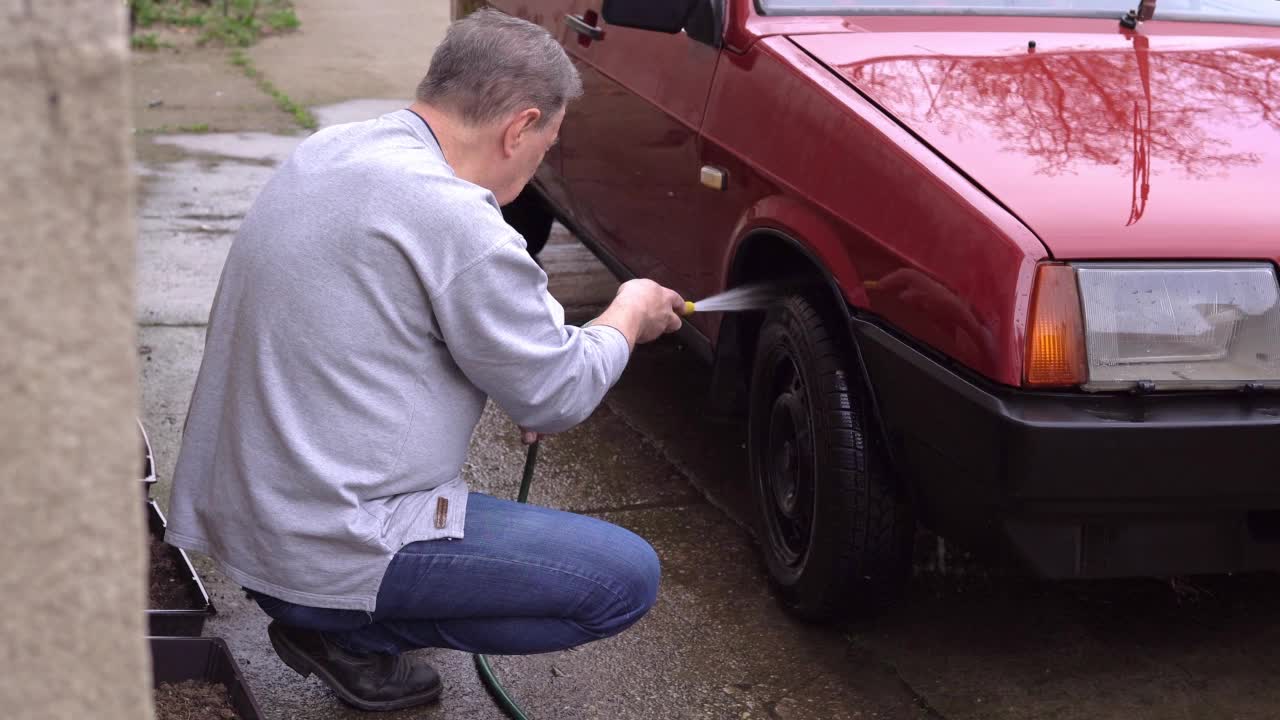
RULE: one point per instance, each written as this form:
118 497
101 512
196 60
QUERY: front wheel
835 533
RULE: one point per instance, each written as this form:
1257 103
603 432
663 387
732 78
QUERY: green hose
500 695
530 460
487 677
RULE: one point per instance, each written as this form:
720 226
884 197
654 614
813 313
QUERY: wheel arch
770 253
768 247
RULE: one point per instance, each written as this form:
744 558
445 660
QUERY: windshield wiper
1146 10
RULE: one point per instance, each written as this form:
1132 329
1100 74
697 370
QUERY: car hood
1110 145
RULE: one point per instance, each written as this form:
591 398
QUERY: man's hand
643 311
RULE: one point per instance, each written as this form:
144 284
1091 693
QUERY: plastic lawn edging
148 469
186 622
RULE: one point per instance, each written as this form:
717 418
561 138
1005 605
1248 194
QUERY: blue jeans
525 579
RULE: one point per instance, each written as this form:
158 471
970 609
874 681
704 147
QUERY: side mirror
668 16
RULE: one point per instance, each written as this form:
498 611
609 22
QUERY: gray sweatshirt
369 304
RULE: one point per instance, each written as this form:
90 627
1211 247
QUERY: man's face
526 145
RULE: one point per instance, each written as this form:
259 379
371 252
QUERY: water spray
759 296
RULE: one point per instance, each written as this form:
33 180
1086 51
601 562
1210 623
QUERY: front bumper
1083 485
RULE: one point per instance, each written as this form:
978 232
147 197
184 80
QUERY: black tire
529 215
835 532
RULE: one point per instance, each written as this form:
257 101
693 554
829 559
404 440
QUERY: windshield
1231 11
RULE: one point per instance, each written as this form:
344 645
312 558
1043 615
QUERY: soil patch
168 578
194 700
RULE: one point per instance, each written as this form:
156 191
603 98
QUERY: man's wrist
622 319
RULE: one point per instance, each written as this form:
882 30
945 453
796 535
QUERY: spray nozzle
688 308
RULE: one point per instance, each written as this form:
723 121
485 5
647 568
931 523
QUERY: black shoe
368 682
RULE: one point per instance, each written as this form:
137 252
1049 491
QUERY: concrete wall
72 585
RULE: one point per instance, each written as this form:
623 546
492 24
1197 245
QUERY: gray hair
492 64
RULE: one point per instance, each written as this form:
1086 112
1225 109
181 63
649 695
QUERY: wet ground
981 643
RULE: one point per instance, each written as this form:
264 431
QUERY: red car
1036 245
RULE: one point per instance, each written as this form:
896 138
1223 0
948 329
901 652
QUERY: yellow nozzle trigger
688 308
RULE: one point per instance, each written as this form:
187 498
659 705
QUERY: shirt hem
244 579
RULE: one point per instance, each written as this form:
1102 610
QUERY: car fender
809 232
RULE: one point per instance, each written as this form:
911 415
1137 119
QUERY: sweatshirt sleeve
507 334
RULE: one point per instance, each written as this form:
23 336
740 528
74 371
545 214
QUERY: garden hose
499 693
487 677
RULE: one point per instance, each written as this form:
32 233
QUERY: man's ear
519 129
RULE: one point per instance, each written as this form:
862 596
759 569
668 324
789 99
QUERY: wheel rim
787 478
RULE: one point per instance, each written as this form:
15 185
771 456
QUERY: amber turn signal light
1055 330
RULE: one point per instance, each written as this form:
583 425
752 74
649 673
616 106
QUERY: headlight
1180 326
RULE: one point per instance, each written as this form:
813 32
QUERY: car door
630 155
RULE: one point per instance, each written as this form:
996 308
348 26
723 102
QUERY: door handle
584 27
